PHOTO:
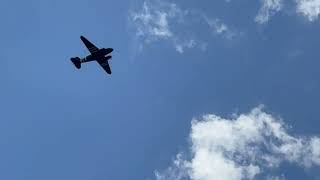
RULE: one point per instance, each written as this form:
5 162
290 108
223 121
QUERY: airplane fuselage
101 53
101 56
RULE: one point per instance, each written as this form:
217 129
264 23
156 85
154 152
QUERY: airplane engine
108 57
76 61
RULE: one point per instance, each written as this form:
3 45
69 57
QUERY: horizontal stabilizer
76 61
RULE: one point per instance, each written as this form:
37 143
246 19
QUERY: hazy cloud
268 9
153 23
161 20
219 28
156 21
309 8
186 44
246 147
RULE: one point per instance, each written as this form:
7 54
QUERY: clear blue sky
57 122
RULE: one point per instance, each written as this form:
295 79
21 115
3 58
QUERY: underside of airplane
99 55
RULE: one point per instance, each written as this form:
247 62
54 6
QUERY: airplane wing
104 64
91 47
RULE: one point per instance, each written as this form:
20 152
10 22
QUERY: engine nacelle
108 57
107 50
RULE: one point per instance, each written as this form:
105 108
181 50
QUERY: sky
200 90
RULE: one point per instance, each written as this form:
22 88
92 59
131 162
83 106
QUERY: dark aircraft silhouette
100 55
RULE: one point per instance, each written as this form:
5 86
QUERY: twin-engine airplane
100 55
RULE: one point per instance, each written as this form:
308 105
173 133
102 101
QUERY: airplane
100 55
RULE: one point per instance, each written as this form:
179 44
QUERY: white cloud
275 177
249 146
219 28
153 23
161 20
268 9
309 8
180 46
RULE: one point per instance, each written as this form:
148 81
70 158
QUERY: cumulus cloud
309 8
268 9
161 20
248 146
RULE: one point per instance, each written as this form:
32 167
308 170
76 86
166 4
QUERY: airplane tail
76 61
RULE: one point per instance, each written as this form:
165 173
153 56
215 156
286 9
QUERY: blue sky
199 90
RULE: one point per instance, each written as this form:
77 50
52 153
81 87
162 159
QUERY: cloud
246 147
268 9
186 44
275 177
161 20
309 8
219 28
155 22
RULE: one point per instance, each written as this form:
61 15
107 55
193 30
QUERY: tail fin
76 61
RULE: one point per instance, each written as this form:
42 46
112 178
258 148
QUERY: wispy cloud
246 147
219 28
180 46
155 21
152 21
267 10
161 20
309 8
